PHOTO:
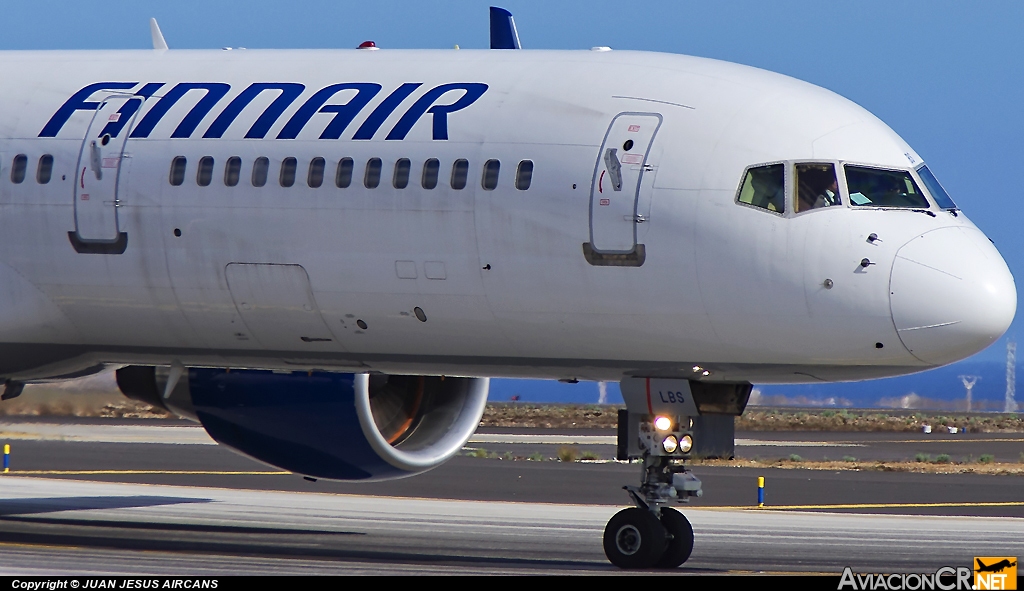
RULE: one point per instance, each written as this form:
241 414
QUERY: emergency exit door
618 182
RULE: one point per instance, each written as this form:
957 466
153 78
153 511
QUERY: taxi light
662 423
670 444
686 444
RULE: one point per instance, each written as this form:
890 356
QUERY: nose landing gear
652 534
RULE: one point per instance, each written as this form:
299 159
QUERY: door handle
611 162
96 160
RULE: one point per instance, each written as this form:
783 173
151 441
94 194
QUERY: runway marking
129 472
510 439
872 505
1002 440
610 507
783 443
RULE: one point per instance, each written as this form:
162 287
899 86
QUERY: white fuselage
341 278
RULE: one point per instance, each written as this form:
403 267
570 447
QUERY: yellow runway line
129 472
932 441
874 506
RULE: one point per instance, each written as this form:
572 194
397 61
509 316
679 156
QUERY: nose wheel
637 538
678 548
634 538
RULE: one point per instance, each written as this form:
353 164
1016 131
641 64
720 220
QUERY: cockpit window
939 194
816 186
874 187
764 186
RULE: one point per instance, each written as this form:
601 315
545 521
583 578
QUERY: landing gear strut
652 534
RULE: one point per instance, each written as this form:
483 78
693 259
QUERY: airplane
996 566
322 256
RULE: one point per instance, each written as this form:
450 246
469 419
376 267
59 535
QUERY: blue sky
947 76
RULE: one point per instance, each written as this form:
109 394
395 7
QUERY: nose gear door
617 186
99 168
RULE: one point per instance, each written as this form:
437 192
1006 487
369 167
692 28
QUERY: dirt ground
103 401
563 416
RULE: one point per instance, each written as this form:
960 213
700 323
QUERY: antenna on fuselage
158 37
503 30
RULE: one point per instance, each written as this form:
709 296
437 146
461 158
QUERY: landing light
685 444
670 444
662 423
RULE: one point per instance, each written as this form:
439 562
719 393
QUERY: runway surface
54 527
108 500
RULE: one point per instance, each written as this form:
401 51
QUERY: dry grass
550 416
563 416
843 420
97 396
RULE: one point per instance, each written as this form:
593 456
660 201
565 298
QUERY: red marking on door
82 182
599 188
605 202
634 128
85 196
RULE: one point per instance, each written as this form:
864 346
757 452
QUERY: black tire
679 547
634 538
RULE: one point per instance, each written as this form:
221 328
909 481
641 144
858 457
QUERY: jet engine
320 424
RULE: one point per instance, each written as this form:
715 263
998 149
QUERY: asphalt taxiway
86 504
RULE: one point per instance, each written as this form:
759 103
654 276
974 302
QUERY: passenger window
764 187
460 172
232 170
18 169
178 171
315 178
343 178
261 167
401 179
372 178
816 187
45 169
524 175
490 178
205 172
874 187
288 166
430 172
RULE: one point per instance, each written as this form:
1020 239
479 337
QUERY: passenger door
618 182
99 168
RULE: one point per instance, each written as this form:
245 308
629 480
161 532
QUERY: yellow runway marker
129 472
935 441
877 505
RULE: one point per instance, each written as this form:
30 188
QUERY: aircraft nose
951 294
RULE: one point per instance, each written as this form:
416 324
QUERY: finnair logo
438 102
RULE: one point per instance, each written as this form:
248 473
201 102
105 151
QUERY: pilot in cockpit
817 186
828 196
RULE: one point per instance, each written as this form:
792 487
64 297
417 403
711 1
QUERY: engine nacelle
326 425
